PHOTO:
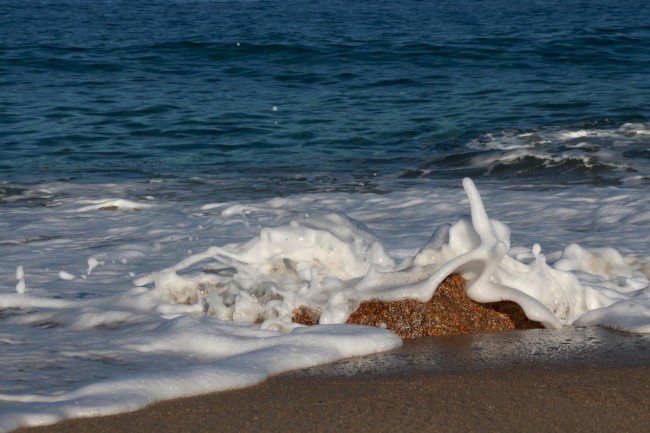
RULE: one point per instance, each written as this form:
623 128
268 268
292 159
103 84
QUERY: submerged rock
449 311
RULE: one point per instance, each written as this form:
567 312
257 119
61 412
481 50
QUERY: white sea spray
331 264
20 276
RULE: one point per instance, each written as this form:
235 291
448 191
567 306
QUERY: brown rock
515 313
449 311
306 316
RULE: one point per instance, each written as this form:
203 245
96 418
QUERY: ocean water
177 176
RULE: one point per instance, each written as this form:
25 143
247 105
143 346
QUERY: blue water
368 95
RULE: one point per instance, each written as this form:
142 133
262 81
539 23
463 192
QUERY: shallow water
563 349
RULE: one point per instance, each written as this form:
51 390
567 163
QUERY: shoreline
572 379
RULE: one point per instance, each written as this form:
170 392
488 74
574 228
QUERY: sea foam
221 318
331 263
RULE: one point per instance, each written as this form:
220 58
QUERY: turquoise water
313 96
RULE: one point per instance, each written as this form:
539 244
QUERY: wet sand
585 379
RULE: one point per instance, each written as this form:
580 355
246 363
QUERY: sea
177 177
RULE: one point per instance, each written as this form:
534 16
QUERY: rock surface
449 311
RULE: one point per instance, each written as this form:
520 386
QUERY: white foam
66 275
92 264
20 276
600 148
251 361
289 266
152 322
112 204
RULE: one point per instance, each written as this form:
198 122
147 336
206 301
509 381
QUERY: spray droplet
92 264
20 276
66 275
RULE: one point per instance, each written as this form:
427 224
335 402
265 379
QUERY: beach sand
574 379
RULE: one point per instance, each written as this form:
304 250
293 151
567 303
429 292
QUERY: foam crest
298 263
111 205
581 153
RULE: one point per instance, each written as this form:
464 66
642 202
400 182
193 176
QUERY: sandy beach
584 379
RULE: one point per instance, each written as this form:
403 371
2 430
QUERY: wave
331 263
585 153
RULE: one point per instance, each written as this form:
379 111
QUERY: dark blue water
362 90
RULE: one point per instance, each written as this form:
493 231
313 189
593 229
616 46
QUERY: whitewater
110 304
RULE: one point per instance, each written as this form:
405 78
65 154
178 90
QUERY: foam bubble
66 275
